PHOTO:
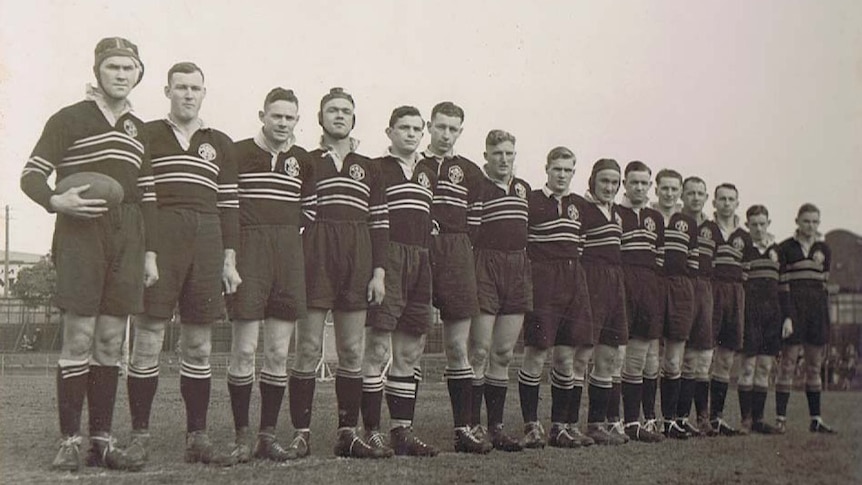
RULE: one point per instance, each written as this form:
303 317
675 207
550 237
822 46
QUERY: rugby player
642 237
453 267
276 189
503 280
561 319
602 228
401 321
345 253
196 184
808 260
99 253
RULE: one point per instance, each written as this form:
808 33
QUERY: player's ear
167 91
320 118
260 115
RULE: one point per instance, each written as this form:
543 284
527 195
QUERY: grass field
28 438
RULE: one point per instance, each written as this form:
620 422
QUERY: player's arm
475 195
228 206
149 210
308 192
693 259
787 308
378 225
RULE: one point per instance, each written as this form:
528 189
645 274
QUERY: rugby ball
101 187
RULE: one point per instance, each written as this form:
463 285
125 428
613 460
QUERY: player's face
186 92
279 118
560 172
637 186
406 134
607 184
117 76
726 201
694 197
336 117
668 190
757 226
444 131
808 222
501 160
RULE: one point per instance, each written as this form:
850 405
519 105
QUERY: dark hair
560 153
668 173
448 108
637 166
401 112
495 137
727 186
184 68
280 94
336 93
693 179
807 207
757 210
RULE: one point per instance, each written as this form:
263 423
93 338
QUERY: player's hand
377 287
70 203
787 328
230 276
151 269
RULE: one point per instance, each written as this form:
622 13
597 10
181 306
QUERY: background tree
35 285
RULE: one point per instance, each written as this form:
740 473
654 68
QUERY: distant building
846 272
17 260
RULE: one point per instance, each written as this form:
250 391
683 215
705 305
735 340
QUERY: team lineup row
286 235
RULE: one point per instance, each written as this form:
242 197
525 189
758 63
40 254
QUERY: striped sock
101 396
401 400
372 401
239 388
72 383
528 389
562 387
495 399
195 386
459 383
301 398
477 394
272 388
141 385
348 393
600 389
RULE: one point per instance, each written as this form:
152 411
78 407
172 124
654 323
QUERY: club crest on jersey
291 167
130 128
818 257
207 152
682 226
773 255
737 243
573 213
706 233
649 224
521 191
356 172
456 175
423 180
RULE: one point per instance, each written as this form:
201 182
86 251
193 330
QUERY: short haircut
495 137
560 153
695 180
807 207
725 185
280 94
448 108
668 173
401 112
637 166
757 210
184 67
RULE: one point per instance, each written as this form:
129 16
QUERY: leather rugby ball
101 187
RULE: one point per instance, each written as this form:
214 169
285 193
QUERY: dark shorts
762 334
407 304
503 281
337 265
700 337
811 306
644 302
454 273
606 284
561 306
270 263
728 314
679 307
100 263
190 261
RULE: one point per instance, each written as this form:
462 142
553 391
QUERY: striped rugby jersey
201 178
728 254
708 235
601 235
554 230
642 236
680 251
805 270
79 138
764 267
274 188
408 201
355 193
454 208
503 215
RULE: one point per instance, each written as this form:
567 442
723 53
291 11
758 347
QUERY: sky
766 94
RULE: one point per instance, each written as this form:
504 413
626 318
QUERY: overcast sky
765 94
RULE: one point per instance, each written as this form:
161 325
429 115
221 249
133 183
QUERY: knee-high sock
72 383
348 393
495 399
670 391
648 397
239 389
401 400
745 412
271 396
101 396
758 403
372 402
562 387
460 385
301 397
686 395
195 387
717 396
477 395
598 395
528 389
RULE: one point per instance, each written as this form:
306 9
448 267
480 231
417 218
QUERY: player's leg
632 390
143 378
303 375
790 353
745 387
240 380
722 362
459 382
273 381
671 374
505 334
814 355
529 377
378 348
652 367
583 354
195 388
604 362
401 383
481 330
762 371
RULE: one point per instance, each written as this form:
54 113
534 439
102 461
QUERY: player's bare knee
534 360
456 352
501 356
196 351
478 357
